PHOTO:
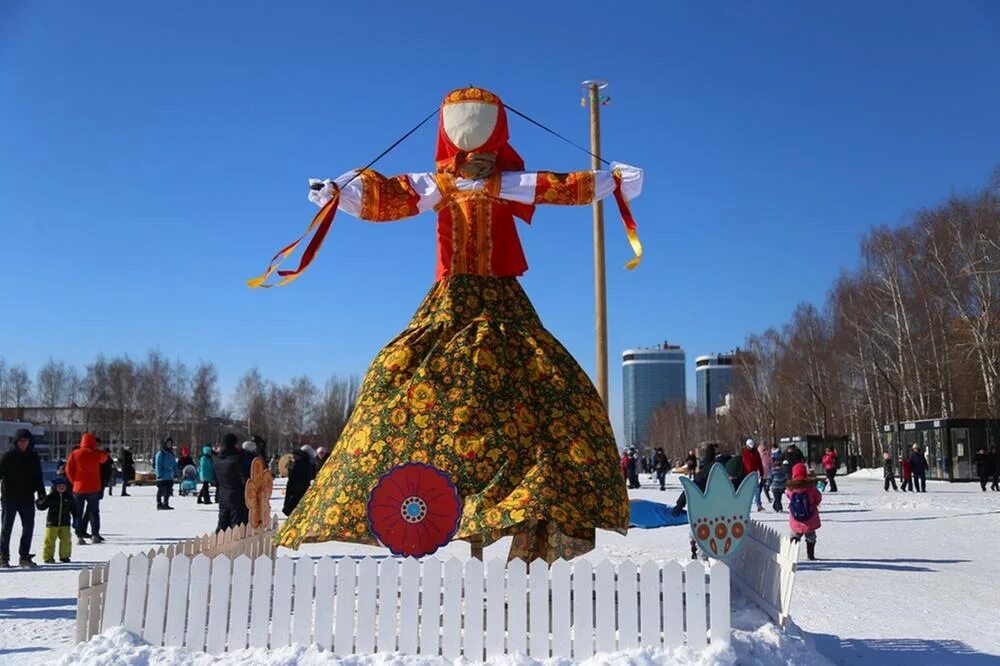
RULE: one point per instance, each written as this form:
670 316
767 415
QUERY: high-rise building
714 377
652 378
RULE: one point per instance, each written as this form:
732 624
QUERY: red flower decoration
414 509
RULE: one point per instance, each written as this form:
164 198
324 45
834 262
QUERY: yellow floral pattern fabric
478 388
575 188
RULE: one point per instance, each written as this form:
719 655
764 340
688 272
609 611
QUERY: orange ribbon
630 227
320 225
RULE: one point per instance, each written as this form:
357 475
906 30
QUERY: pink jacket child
803 507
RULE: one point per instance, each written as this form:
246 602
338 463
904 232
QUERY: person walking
83 469
888 472
983 467
691 463
830 464
20 481
128 470
661 465
803 508
165 466
61 510
995 468
206 473
918 467
82 521
778 478
633 469
906 475
750 459
230 480
107 471
764 451
300 474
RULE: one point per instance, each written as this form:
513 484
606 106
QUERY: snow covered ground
902 579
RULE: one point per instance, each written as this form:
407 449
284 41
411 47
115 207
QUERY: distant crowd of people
785 476
73 504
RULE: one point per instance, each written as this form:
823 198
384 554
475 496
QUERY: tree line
912 333
143 401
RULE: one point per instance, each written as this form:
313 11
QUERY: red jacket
800 483
83 467
830 461
752 461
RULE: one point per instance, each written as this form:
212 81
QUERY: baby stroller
189 481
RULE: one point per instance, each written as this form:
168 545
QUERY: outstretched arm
368 195
377 198
578 188
575 188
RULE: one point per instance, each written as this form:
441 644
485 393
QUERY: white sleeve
521 185
631 179
426 187
351 193
518 186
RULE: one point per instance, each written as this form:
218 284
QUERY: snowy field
902 579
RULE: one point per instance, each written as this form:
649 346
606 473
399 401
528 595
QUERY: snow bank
756 642
119 647
870 473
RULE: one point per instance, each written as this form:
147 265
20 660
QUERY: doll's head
473 136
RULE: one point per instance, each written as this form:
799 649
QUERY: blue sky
155 155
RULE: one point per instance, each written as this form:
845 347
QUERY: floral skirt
478 388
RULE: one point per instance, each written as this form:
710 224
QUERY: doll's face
469 124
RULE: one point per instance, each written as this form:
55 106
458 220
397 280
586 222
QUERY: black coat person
300 475
918 468
793 456
995 470
661 465
231 479
984 467
632 470
20 482
107 474
128 470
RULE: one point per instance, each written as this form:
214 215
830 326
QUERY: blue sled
646 515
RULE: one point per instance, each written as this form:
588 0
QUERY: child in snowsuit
62 510
778 478
803 507
888 472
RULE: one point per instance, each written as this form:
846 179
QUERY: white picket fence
764 570
233 542
428 607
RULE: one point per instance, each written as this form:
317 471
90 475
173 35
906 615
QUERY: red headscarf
449 157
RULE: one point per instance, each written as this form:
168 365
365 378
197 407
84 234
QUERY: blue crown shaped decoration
719 517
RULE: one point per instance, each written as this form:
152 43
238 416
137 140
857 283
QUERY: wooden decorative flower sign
258 493
719 517
414 509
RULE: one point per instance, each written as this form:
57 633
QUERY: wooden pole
600 283
476 544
